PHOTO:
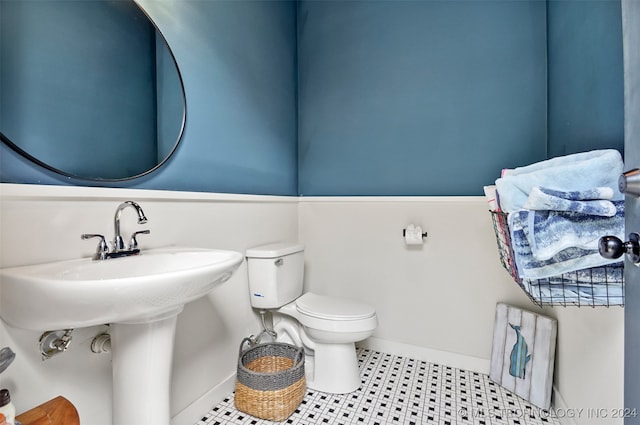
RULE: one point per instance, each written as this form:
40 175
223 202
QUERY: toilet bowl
327 327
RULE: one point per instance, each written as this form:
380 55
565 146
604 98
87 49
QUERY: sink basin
139 296
136 289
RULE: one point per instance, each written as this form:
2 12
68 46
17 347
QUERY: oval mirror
88 89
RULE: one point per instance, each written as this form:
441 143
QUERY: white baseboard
194 412
444 358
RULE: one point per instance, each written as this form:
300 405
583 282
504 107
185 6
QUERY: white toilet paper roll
413 235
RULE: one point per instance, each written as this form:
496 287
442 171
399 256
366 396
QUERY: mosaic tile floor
399 390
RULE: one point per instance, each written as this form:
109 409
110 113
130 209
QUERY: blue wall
435 98
395 97
238 63
418 98
53 85
586 90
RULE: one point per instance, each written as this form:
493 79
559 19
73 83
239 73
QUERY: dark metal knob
612 247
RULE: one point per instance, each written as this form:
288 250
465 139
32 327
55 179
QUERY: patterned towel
549 243
581 287
612 274
572 294
590 202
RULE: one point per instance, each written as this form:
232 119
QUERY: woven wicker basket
271 381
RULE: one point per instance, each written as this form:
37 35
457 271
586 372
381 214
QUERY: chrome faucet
118 248
118 242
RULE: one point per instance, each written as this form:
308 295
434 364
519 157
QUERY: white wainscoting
436 302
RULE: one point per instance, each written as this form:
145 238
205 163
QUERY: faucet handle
133 244
103 247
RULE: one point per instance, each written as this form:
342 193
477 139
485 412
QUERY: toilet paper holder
404 233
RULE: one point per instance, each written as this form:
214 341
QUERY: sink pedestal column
142 355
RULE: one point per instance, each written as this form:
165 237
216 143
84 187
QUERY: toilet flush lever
279 262
612 247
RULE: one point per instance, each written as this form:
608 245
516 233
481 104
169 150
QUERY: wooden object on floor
523 355
57 411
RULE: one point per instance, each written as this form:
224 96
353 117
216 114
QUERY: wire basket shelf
593 287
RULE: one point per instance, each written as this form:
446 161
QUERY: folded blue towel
580 195
595 294
550 232
576 172
612 275
541 198
593 286
548 243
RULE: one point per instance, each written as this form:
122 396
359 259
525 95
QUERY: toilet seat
333 308
332 314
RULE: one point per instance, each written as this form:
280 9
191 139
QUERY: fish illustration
519 357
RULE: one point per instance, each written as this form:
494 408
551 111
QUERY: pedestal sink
140 296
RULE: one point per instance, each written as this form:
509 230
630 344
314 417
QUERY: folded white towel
491 196
576 172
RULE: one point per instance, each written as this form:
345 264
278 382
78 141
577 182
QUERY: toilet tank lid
274 250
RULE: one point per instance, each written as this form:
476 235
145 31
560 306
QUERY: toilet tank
275 274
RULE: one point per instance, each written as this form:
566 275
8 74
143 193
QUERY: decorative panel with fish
523 353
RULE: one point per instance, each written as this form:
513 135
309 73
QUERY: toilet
327 327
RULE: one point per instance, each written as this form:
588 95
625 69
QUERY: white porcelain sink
84 292
140 296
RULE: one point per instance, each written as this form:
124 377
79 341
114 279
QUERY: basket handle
245 339
299 356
